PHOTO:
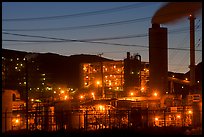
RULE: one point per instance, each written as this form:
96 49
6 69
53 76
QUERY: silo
158 61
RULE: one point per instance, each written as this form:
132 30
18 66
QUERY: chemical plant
128 93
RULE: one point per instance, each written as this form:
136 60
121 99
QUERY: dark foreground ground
167 131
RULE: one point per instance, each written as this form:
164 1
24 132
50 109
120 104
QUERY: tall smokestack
158 62
192 50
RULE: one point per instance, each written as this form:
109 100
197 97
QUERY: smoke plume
175 11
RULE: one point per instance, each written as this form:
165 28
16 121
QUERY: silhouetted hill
66 69
59 69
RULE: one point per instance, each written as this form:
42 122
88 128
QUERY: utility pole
26 68
192 51
102 86
27 58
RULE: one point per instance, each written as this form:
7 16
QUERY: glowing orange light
101 108
156 119
131 93
155 94
178 116
97 82
81 97
189 112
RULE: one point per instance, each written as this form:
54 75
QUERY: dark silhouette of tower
132 66
158 61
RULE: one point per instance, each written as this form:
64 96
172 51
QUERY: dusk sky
39 25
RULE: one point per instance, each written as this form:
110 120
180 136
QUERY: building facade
112 79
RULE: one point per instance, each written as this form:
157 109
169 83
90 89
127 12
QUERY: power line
101 39
89 26
85 26
184 40
105 11
106 43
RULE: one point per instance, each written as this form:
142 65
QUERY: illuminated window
178 116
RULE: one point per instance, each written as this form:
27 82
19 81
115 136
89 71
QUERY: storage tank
158 61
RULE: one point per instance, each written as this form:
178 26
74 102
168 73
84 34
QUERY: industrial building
113 79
